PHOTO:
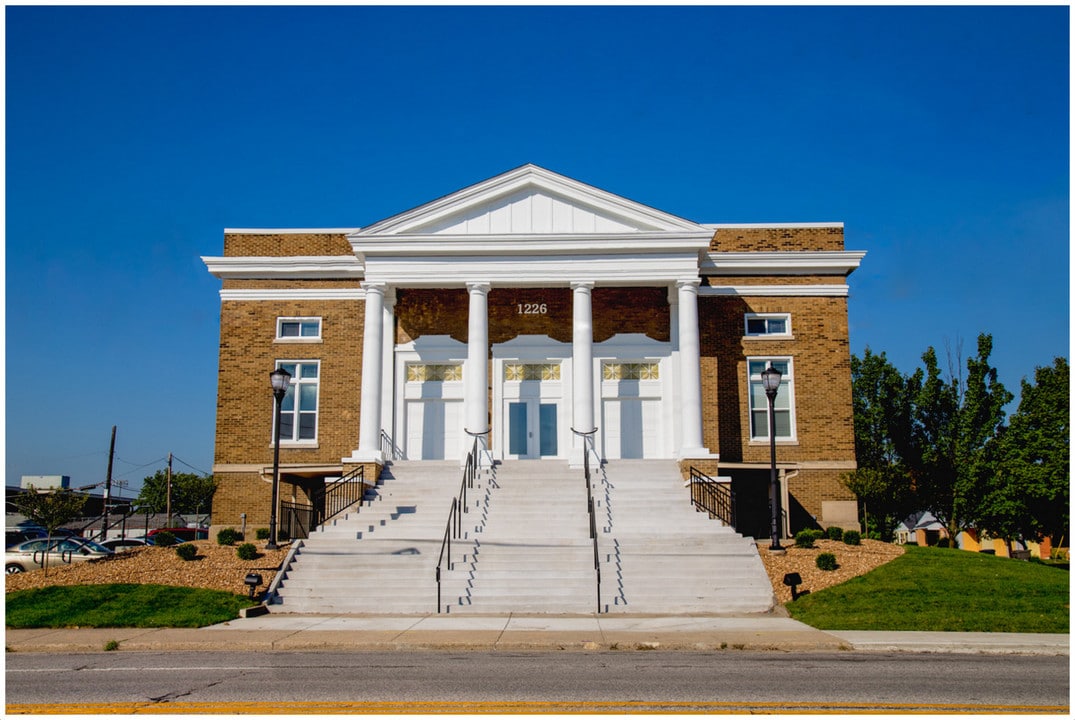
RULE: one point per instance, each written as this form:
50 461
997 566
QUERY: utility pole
108 484
169 509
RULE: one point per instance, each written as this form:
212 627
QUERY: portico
539 233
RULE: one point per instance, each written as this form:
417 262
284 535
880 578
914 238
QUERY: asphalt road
503 682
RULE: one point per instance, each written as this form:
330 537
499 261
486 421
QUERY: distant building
525 307
42 482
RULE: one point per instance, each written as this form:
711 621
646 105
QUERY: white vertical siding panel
521 211
582 220
478 225
541 214
561 216
500 219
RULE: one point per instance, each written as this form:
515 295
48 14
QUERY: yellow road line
509 707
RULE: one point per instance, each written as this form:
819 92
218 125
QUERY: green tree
190 493
1029 497
954 422
50 509
882 427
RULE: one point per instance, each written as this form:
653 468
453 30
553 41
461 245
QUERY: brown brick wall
615 310
248 353
241 493
772 239
822 377
810 488
285 244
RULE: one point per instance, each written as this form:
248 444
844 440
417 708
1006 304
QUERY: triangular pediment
530 201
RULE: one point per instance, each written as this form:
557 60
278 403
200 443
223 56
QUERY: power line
177 459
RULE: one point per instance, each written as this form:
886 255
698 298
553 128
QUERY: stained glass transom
422 372
531 371
631 371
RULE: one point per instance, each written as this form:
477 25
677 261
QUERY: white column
369 421
690 363
476 392
388 365
582 415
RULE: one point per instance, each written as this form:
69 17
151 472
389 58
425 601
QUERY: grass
944 590
143 606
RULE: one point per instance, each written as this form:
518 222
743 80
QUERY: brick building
523 309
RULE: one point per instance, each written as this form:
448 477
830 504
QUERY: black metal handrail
715 498
587 444
454 527
389 447
298 519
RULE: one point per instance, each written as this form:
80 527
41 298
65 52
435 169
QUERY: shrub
262 533
852 537
247 551
187 551
805 539
228 536
826 561
1058 554
835 532
164 538
942 542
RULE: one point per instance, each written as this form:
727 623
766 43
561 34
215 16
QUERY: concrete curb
524 633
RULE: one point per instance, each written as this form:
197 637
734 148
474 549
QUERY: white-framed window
783 404
767 325
298 410
298 329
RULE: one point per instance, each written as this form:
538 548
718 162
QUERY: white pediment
530 201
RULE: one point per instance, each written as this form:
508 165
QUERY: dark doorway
752 514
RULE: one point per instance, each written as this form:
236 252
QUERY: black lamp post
770 380
279 379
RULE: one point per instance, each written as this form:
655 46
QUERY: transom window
771 324
298 411
630 371
425 372
298 329
783 404
531 371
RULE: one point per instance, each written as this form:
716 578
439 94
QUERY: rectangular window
298 410
298 329
630 371
531 371
783 403
768 324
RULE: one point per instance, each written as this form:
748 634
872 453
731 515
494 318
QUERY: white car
61 550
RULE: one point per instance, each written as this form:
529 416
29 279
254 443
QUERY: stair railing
299 519
389 448
453 529
715 498
587 448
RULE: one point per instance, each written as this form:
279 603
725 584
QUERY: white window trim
786 335
299 339
309 443
787 384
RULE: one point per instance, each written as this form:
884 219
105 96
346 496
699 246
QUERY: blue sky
939 136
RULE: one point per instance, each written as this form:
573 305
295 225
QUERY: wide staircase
524 546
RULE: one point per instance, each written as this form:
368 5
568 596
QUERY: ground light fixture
252 581
279 379
770 380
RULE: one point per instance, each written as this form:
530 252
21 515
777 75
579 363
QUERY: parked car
30 555
183 534
14 536
125 544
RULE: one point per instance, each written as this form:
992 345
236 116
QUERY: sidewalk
534 632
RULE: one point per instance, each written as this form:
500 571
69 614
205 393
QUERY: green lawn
121 606
946 590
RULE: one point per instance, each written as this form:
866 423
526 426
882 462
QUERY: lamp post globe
770 379
279 380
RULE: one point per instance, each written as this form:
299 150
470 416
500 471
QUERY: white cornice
293 294
516 245
290 266
290 231
774 226
775 290
801 262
